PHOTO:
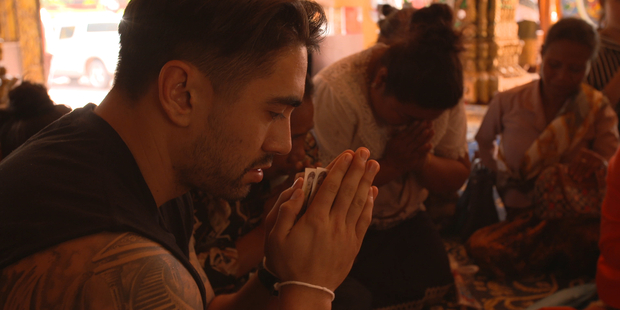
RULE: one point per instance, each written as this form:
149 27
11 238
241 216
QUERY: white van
86 44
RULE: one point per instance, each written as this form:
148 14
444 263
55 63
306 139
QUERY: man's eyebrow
292 101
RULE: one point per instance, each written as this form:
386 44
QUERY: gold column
20 22
544 9
467 23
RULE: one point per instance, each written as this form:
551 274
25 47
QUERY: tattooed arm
102 271
193 259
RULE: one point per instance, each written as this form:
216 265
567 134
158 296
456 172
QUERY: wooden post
20 24
544 9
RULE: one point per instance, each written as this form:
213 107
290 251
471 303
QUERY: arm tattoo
102 271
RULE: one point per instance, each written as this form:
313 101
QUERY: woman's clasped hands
409 149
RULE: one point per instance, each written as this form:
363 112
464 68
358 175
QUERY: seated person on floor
229 235
30 110
393 28
402 102
556 136
608 267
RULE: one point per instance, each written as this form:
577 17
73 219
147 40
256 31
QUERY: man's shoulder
113 270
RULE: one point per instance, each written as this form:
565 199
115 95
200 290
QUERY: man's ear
174 95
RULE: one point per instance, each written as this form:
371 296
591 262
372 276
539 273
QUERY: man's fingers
365 218
348 196
364 189
284 196
329 167
326 195
287 213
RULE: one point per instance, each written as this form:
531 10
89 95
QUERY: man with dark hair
94 211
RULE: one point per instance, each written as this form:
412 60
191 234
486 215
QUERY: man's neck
135 122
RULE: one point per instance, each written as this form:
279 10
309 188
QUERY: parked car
86 44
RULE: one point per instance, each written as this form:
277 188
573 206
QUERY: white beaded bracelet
278 285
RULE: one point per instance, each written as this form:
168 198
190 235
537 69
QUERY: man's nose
278 140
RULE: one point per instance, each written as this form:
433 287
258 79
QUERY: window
102 27
66 32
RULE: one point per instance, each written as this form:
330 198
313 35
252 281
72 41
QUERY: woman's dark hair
574 30
395 26
30 110
425 68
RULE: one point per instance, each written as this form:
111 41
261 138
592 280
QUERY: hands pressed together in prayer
409 149
276 191
320 247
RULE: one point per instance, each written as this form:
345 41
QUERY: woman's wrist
419 168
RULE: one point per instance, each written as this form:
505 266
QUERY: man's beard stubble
215 172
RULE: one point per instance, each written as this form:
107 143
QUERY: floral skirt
529 245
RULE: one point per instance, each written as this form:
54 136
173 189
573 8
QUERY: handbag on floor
476 207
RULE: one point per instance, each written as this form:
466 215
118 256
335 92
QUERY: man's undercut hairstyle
231 42
575 30
424 68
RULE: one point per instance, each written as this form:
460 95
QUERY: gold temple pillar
491 47
544 9
467 23
20 29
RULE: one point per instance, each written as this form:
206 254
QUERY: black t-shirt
77 178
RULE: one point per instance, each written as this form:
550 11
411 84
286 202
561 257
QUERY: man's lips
261 168
255 175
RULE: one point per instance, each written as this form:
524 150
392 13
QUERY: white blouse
343 119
